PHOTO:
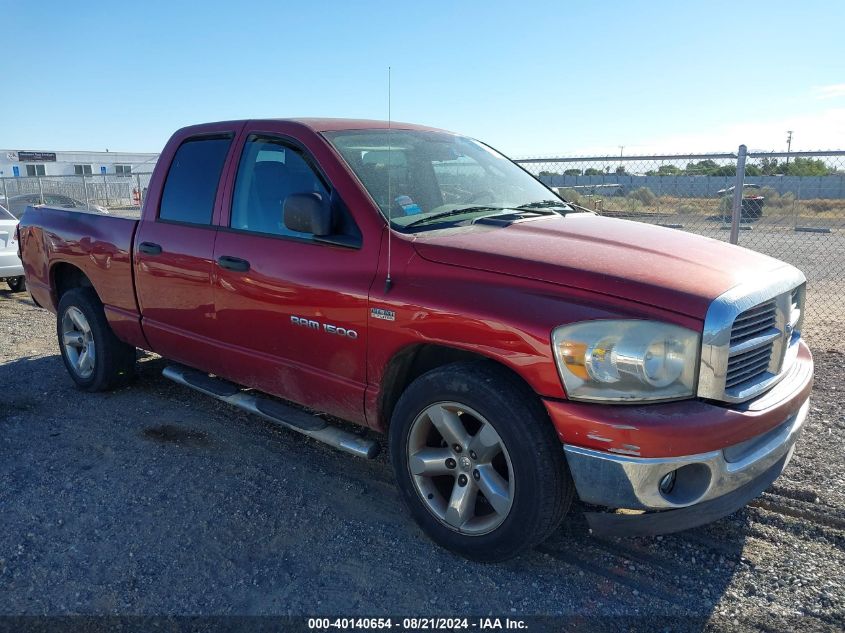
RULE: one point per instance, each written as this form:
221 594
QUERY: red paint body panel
494 291
100 245
288 278
174 289
506 318
640 262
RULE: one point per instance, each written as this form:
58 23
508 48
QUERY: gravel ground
157 500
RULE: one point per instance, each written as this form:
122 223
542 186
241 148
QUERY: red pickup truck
514 349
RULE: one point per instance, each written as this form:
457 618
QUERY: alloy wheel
78 342
460 468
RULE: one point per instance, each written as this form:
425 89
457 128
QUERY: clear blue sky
531 78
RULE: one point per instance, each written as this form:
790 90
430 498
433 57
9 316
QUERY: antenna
388 282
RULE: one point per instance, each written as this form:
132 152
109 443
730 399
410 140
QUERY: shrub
570 195
643 195
787 199
772 197
820 205
686 209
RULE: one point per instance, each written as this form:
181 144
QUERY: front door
291 310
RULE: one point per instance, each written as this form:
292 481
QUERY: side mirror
308 213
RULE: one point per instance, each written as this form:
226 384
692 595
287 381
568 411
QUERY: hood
667 268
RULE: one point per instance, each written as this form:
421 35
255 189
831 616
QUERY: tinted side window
191 184
268 173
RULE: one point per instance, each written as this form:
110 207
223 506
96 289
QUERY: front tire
93 356
17 284
477 461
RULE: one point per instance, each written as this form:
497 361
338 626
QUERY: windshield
437 174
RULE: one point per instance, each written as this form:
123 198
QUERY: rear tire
17 284
93 356
517 498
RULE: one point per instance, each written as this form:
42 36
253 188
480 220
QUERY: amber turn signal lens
574 357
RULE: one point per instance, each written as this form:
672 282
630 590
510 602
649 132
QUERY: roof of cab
333 125
314 125
327 124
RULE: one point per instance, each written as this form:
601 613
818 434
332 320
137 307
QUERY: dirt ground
156 500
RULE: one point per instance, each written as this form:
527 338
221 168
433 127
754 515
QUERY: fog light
667 483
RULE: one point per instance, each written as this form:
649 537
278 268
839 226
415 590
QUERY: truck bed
99 245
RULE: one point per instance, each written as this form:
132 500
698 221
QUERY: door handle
233 263
149 248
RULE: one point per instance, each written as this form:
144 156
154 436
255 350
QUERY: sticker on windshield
408 206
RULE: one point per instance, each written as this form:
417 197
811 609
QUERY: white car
11 268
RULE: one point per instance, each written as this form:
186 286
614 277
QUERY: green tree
798 166
572 172
592 171
806 167
769 166
702 167
724 170
621 170
669 170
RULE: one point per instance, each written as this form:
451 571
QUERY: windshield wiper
446 214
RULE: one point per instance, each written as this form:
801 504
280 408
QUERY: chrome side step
272 410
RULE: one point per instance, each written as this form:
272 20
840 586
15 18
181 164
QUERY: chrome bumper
618 481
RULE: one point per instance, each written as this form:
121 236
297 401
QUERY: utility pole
788 145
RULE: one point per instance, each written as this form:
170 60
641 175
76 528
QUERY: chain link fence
788 205
115 194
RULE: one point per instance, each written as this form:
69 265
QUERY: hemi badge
384 315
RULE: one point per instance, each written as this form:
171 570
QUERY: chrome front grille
752 322
748 366
750 336
753 336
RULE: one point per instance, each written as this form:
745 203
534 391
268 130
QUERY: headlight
626 360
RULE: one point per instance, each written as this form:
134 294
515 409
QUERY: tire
17 284
530 466
96 360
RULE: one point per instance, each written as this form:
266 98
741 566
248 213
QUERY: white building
20 163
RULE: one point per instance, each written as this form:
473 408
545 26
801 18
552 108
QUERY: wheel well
66 277
412 362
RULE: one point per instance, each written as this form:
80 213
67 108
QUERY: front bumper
731 466
619 481
668 521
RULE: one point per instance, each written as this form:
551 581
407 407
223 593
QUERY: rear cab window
191 185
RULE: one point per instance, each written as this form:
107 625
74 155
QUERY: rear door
174 246
291 310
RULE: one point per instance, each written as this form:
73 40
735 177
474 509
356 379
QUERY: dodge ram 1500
514 349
